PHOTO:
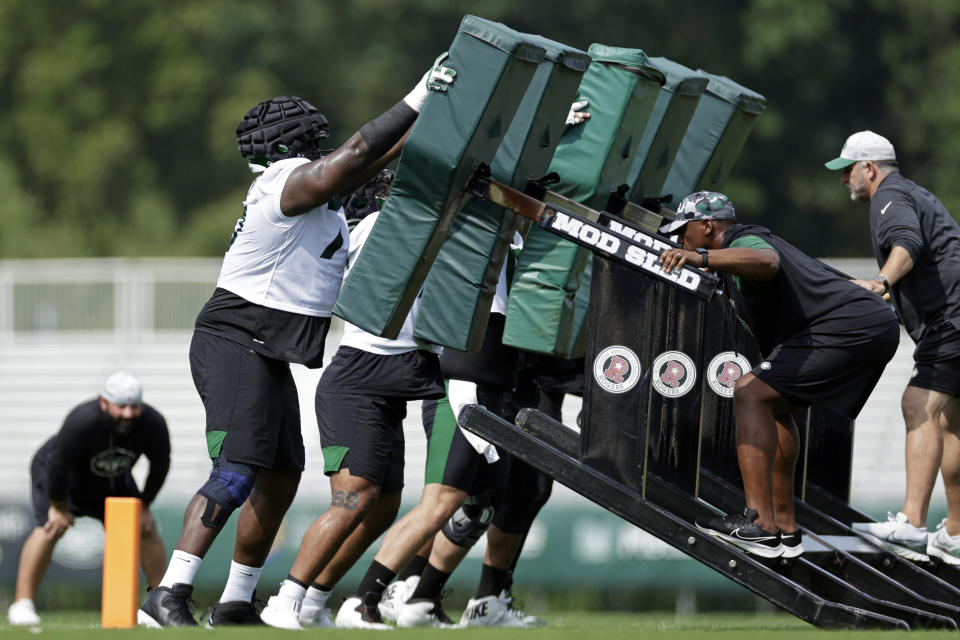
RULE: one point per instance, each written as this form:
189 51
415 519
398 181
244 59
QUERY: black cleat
237 612
167 607
740 531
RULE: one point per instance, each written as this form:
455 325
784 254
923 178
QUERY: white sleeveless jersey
293 263
354 336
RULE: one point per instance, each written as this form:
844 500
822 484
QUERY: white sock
316 597
241 583
181 570
290 589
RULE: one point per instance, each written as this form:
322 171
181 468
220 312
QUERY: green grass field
573 624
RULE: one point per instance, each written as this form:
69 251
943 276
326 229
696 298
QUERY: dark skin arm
315 183
753 264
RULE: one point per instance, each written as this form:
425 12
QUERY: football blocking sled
656 447
720 125
592 160
455 131
665 129
473 253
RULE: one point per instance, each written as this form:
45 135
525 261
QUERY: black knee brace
469 522
228 486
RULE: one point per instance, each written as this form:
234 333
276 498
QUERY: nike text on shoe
314 616
792 544
518 616
22 613
424 613
944 546
396 594
282 612
740 531
167 607
232 613
896 535
360 613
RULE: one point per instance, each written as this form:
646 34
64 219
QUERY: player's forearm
754 264
898 264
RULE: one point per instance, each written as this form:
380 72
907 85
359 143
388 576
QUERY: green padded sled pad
455 131
471 257
665 129
592 160
713 141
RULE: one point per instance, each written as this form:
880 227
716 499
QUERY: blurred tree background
117 117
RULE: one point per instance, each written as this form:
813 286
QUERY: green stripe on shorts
333 457
215 442
441 439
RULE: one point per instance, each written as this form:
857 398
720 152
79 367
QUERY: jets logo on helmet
282 127
616 369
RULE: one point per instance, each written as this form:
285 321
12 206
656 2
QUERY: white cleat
357 613
497 611
314 616
282 612
22 613
396 596
424 613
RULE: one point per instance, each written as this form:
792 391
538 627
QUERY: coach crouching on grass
78 468
824 341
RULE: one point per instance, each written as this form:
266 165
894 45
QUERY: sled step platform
635 508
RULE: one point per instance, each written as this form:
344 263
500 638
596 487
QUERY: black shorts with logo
361 402
253 412
936 360
78 503
830 369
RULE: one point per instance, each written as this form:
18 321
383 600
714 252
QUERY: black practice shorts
78 503
809 370
363 433
451 460
253 413
936 360
361 402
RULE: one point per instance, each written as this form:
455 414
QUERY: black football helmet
283 127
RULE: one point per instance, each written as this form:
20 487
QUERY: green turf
573 624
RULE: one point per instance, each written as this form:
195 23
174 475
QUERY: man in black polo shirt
824 341
88 460
917 246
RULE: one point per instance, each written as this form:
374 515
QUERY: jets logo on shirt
674 374
724 371
112 462
616 369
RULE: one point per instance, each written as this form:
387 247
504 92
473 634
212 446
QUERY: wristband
704 262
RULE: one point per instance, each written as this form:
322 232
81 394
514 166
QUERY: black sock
492 581
431 584
295 581
375 580
321 587
414 568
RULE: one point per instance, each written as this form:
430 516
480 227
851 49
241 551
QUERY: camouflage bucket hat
702 205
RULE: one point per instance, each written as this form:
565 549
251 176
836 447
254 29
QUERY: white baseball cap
863 145
122 388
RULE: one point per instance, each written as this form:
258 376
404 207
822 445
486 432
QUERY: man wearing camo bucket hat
824 341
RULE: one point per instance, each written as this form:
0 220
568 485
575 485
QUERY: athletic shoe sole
754 548
899 549
146 620
945 556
